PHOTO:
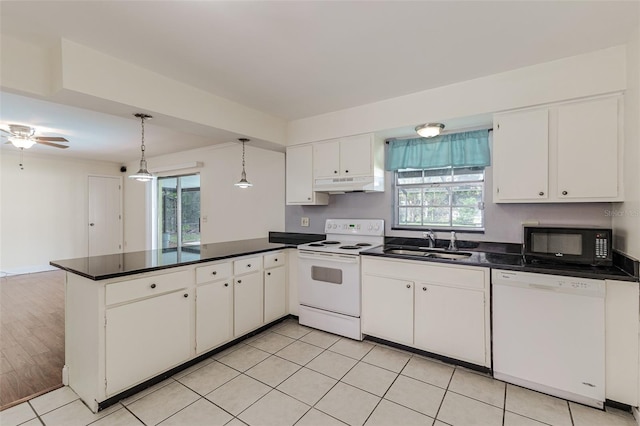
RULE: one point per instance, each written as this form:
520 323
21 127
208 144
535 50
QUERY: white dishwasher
548 334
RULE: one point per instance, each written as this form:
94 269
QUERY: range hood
340 185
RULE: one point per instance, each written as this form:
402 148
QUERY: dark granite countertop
122 264
506 259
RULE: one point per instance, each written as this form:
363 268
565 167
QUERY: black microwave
562 244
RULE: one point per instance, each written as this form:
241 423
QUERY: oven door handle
328 257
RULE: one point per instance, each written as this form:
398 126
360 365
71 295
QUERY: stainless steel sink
430 253
453 256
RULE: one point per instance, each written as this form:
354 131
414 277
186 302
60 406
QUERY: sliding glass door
178 211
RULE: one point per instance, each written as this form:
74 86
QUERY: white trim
170 168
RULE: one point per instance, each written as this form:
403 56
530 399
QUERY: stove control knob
357 226
377 227
335 226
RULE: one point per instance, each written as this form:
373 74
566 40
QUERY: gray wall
503 222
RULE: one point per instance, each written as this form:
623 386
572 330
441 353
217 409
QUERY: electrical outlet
304 221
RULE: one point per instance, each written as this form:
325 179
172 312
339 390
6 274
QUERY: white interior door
105 215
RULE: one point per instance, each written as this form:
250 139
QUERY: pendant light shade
22 142
243 183
143 174
429 130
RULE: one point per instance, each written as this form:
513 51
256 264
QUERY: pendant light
429 130
143 174
243 183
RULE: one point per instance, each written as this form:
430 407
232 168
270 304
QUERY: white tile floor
291 374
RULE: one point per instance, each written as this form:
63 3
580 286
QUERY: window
450 198
178 211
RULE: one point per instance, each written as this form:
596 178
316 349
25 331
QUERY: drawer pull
186 295
248 265
239 281
226 284
275 260
153 285
408 285
268 273
541 193
214 273
424 289
564 192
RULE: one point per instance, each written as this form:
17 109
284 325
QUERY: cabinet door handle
153 285
226 284
269 273
248 265
346 171
186 295
214 273
541 193
335 172
239 281
275 260
408 285
308 198
424 288
564 192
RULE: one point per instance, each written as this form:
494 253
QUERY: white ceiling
296 59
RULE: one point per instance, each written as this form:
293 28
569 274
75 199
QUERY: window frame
437 228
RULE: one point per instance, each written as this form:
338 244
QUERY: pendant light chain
243 155
142 117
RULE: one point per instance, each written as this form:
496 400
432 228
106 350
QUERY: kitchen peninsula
133 319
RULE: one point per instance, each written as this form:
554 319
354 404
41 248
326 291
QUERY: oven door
329 281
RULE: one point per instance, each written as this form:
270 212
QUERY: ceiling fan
23 137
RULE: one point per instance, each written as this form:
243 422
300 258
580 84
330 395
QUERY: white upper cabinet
356 159
326 159
299 183
569 152
588 150
520 157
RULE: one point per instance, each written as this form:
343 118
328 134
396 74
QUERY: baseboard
27 270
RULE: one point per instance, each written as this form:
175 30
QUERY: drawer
248 264
125 291
274 259
215 272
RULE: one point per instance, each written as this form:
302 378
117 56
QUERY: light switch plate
304 221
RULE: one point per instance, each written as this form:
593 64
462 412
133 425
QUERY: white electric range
329 275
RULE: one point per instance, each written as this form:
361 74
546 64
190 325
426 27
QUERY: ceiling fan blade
50 139
52 144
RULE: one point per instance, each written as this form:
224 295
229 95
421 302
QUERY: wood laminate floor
31 335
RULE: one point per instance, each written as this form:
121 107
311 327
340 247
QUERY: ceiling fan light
429 130
22 143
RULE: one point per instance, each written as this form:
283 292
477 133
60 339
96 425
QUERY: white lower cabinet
248 302
387 308
214 314
451 322
438 308
622 332
121 332
146 337
275 293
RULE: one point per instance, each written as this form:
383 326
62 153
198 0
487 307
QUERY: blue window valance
465 149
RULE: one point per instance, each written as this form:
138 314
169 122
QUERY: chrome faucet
452 242
431 237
